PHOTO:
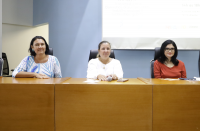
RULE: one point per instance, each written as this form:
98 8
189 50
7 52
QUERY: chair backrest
5 64
156 56
1 66
50 51
157 53
152 68
93 54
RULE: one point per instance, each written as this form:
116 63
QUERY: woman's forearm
25 74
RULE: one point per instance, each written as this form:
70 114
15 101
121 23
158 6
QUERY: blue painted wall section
75 27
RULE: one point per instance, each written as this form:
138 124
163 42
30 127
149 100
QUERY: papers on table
91 81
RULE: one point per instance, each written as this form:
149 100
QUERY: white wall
19 12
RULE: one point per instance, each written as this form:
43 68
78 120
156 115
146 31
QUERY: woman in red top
167 66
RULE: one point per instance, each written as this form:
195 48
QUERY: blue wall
75 27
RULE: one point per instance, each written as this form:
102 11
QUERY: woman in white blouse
103 66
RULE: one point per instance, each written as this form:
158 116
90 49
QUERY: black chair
93 54
5 66
156 56
50 51
1 66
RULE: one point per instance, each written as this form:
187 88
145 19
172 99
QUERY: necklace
105 62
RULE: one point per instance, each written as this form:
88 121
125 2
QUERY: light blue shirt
51 68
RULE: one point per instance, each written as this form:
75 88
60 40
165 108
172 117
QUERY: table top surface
156 81
11 80
93 81
69 80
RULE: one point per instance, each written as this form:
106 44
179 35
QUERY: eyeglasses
169 49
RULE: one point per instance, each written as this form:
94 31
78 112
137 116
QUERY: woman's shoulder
28 58
51 56
115 61
53 59
94 60
180 62
158 62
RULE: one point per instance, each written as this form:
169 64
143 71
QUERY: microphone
109 78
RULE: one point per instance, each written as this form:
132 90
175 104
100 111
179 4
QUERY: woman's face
169 51
104 51
39 46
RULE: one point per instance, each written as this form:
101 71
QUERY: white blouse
96 67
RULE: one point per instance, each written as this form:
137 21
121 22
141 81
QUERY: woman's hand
114 77
41 76
101 78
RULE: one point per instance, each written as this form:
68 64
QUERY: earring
33 50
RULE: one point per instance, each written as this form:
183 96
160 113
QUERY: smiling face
104 50
39 46
169 51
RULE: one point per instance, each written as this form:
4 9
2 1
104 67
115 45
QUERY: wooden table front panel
176 107
103 107
26 107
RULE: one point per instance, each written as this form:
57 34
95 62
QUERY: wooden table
176 105
27 104
79 104
84 105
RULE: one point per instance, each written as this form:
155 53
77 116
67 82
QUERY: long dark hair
32 53
163 58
